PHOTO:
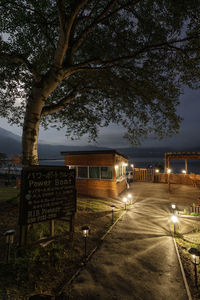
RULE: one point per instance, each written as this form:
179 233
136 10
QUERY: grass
8 194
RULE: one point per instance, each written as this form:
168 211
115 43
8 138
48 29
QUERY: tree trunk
31 131
36 101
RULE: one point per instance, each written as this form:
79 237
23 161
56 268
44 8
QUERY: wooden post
52 228
169 182
186 167
153 175
22 235
71 226
165 170
168 163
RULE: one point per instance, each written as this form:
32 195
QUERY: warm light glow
113 207
157 171
116 167
129 196
125 164
174 219
195 259
183 171
124 199
169 171
85 230
173 206
132 165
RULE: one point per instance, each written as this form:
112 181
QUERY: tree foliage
92 62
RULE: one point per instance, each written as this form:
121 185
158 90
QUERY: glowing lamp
173 206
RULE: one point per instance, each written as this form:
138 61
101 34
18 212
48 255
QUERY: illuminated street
137 260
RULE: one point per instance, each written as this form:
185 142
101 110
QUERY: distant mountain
10 144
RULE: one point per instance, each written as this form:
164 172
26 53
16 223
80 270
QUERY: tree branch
19 59
102 17
92 64
47 110
65 29
89 28
62 103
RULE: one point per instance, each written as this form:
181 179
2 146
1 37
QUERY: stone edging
83 264
182 271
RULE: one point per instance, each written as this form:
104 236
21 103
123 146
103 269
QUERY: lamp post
174 220
113 208
130 198
125 201
85 231
173 207
169 172
195 259
9 234
184 172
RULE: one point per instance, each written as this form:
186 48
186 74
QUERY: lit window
106 173
94 172
82 172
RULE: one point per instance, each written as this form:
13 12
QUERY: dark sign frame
47 193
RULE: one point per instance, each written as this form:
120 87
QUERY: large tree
85 63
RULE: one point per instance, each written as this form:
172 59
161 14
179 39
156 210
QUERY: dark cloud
188 137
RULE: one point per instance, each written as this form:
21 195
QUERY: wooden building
98 173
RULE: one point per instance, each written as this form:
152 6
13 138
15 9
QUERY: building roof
112 151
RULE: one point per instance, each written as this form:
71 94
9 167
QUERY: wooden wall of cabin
95 187
106 160
121 186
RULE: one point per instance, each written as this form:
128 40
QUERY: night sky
112 136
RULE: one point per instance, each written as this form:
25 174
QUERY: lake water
175 165
144 162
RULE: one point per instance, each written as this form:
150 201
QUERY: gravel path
137 260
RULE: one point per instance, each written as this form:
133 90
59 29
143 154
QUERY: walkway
137 259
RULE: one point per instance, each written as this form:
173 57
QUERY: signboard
47 193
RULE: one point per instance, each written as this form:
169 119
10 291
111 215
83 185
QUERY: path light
174 220
195 259
130 198
125 201
9 234
113 208
85 231
173 207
